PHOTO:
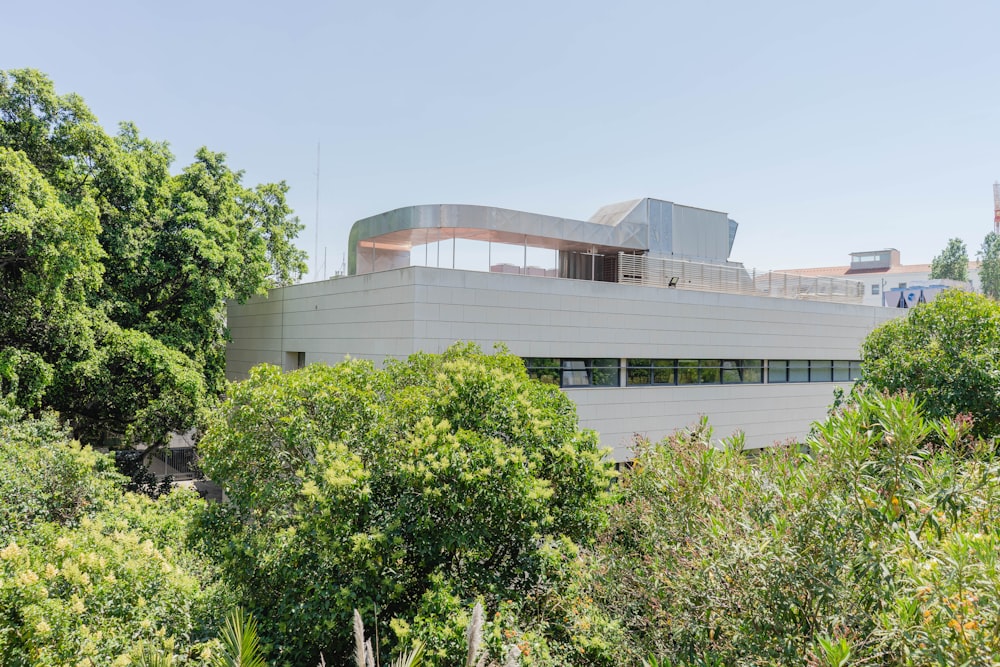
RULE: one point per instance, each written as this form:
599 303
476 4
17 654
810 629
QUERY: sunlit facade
638 314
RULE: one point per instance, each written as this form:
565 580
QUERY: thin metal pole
524 269
454 242
316 241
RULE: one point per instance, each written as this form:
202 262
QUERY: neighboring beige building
882 271
640 317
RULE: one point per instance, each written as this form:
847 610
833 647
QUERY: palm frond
240 644
412 659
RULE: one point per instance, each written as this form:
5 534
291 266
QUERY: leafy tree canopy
407 491
989 265
947 353
952 263
115 272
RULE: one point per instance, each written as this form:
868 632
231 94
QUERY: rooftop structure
641 242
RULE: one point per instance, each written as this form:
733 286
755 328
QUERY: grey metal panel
661 227
701 234
398 230
612 214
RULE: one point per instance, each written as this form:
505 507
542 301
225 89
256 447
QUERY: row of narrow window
644 372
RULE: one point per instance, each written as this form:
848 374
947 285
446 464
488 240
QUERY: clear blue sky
822 130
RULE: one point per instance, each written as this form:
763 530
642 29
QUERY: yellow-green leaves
436 477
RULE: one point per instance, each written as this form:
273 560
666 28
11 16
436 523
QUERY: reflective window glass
663 371
819 371
708 371
798 370
574 373
687 371
543 369
753 370
638 372
777 371
604 372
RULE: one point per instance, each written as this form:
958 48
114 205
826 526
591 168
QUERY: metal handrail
734 279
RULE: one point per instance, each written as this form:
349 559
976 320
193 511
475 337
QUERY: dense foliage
114 273
952 263
947 353
90 575
412 492
404 492
989 265
878 542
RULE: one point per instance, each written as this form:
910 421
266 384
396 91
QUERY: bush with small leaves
393 490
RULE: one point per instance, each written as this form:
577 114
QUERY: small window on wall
820 371
777 371
687 371
741 371
664 371
574 372
650 371
639 372
590 372
543 369
875 289
798 370
709 371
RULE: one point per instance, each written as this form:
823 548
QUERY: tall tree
116 272
989 265
952 263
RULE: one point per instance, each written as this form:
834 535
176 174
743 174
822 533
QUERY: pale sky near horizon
821 130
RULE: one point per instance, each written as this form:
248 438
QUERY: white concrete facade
401 311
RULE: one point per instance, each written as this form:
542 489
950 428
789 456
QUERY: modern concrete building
885 277
637 313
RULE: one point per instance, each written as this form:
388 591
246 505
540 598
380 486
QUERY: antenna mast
316 242
996 207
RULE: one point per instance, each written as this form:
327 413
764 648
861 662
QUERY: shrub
394 490
87 571
878 542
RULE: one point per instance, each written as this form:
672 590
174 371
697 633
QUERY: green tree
952 263
945 353
112 266
90 574
49 262
989 265
405 492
